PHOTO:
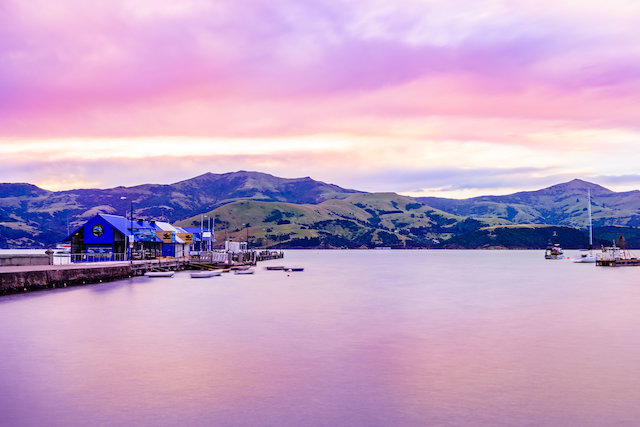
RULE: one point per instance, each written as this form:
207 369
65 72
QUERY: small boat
205 273
294 269
245 271
275 267
553 251
585 257
159 273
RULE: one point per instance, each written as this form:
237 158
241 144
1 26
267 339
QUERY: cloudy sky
452 98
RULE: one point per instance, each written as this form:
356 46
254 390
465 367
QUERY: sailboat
587 256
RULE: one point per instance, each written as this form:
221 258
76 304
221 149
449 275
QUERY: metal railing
90 257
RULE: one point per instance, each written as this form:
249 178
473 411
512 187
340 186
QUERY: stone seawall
36 279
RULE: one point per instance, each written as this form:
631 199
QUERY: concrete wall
11 282
24 259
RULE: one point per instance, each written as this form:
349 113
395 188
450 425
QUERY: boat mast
590 224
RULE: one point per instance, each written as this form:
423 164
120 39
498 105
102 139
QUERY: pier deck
14 279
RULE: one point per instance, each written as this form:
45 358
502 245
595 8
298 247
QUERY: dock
25 278
632 262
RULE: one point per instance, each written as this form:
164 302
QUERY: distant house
113 237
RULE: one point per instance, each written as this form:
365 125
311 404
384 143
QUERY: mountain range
562 204
280 212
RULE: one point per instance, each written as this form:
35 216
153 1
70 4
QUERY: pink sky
451 98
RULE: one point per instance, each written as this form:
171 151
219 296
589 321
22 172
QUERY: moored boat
245 271
554 251
275 267
159 273
587 257
205 273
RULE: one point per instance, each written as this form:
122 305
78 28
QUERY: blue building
114 237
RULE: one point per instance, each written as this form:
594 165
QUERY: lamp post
130 236
212 238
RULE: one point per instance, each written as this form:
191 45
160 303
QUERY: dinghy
159 273
205 273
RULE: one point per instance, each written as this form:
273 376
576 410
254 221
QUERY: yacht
587 256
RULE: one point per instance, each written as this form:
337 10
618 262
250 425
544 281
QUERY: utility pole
130 236
132 242
213 233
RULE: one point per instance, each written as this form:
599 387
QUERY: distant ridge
560 204
32 216
303 212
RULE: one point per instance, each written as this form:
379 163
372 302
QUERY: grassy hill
562 204
359 221
31 216
301 212
538 236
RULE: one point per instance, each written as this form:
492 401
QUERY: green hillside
32 217
301 212
362 220
562 204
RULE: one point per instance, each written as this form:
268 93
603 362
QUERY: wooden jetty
23 278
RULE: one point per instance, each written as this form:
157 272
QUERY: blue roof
118 222
123 225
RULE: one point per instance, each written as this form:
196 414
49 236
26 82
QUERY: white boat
587 256
159 273
246 271
205 273
554 251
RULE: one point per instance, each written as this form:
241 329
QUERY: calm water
360 338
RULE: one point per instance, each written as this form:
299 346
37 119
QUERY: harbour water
360 338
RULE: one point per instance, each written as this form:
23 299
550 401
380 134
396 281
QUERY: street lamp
130 236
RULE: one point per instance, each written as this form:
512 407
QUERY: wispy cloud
456 85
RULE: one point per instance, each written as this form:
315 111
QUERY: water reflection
359 338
